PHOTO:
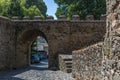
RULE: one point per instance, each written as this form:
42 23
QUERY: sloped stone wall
87 63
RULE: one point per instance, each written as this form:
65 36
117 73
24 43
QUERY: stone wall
109 67
62 36
7 44
85 33
87 63
111 62
55 32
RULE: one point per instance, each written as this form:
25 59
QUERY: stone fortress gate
63 36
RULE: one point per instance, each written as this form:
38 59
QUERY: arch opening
39 52
31 44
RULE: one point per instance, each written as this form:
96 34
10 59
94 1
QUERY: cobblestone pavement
35 72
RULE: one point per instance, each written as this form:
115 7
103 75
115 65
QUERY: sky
51 7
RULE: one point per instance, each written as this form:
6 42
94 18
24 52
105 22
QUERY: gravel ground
35 72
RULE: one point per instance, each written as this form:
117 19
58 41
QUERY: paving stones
34 73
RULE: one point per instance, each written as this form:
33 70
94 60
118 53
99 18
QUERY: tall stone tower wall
111 50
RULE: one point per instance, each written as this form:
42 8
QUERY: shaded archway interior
24 46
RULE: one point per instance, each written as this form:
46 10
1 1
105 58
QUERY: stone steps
66 63
68 59
69 66
68 70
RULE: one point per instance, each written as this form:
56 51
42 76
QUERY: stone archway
23 46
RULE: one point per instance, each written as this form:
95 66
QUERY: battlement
51 18
61 18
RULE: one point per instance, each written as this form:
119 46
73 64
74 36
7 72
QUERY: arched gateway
23 47
63 36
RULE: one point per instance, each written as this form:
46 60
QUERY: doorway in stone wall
32 49
39 53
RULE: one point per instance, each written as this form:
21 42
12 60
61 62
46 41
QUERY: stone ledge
2 18
63 56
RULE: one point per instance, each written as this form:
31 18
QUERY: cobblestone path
34 72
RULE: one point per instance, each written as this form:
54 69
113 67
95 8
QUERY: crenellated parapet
51 18
89 17
75 17
61 18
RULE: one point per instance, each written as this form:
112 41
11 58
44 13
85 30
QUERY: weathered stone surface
15 18
37 18
16 37
110 60
75 17
62 36
65 62
88 33
26 18
111 49
49 18
89 17
87 63
7 44
62 17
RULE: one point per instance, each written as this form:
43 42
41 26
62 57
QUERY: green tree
4 4
39 4
31 11
15 9
21 8
81 7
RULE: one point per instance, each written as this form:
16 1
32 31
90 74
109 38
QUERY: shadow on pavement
9 75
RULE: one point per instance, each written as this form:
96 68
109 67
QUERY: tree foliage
4 4
39 4
14 9
21 8
81 7
32 9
